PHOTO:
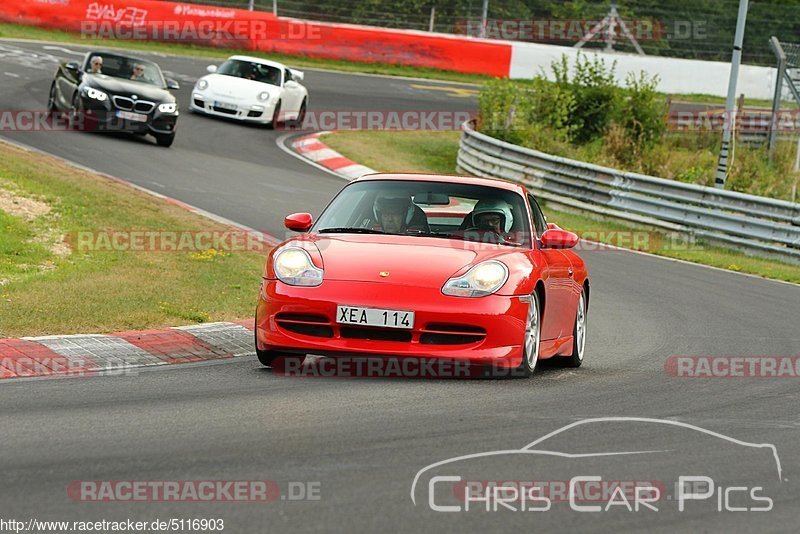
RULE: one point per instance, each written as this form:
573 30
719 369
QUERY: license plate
224 105
375 317
129 115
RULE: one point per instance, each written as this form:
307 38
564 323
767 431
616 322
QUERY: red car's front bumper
485 330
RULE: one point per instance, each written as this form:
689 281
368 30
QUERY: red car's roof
446 178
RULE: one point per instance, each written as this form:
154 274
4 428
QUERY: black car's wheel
578 336
165 140
275 116
75 119
51 99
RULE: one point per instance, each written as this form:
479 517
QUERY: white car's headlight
202 85
96 94
170 107
263 97
483 279
293 266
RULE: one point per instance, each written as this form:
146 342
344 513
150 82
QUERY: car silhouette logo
134 97
384 274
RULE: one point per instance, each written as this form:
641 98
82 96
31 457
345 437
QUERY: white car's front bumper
257 112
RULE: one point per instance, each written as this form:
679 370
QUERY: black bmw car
111 92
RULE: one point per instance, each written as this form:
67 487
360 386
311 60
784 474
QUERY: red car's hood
415 261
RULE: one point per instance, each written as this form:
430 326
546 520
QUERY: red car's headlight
481 280
293 266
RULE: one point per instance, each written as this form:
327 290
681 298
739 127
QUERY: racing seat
419 221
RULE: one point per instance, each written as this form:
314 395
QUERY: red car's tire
578 335
530 346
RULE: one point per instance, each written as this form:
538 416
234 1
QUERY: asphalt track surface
363 440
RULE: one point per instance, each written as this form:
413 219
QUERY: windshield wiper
346 230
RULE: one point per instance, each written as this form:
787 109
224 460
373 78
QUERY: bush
577 108
597 97
643 112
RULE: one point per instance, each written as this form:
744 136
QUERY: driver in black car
96 65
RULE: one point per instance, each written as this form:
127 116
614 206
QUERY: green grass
15 31
52 283
436 152
748 102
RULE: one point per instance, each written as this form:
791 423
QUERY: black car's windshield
250 70
127 68
429 209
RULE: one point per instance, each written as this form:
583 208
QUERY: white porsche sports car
251 89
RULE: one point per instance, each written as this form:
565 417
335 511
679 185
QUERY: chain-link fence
700 29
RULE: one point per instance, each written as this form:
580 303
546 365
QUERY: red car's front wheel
533 329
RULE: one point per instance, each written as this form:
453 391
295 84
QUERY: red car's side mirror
558 238
298 222
553 226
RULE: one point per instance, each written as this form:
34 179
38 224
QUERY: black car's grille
143 106
128 104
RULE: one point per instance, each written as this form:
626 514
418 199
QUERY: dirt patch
25 208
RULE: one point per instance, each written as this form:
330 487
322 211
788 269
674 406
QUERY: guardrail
749 222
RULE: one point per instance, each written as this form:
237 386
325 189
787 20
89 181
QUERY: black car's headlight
169 107
95 94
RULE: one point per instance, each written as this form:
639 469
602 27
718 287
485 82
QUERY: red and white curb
311 148
95 354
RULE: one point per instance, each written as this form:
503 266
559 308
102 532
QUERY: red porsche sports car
426 266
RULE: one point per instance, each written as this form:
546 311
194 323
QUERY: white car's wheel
275 116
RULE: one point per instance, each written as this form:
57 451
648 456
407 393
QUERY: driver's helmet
395 203
497 206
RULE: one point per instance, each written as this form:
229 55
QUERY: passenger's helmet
497 206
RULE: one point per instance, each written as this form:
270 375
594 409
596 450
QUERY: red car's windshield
429 209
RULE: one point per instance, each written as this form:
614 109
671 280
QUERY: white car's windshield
429 209
251 71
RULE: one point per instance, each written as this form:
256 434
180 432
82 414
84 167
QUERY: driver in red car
398 214
391 214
